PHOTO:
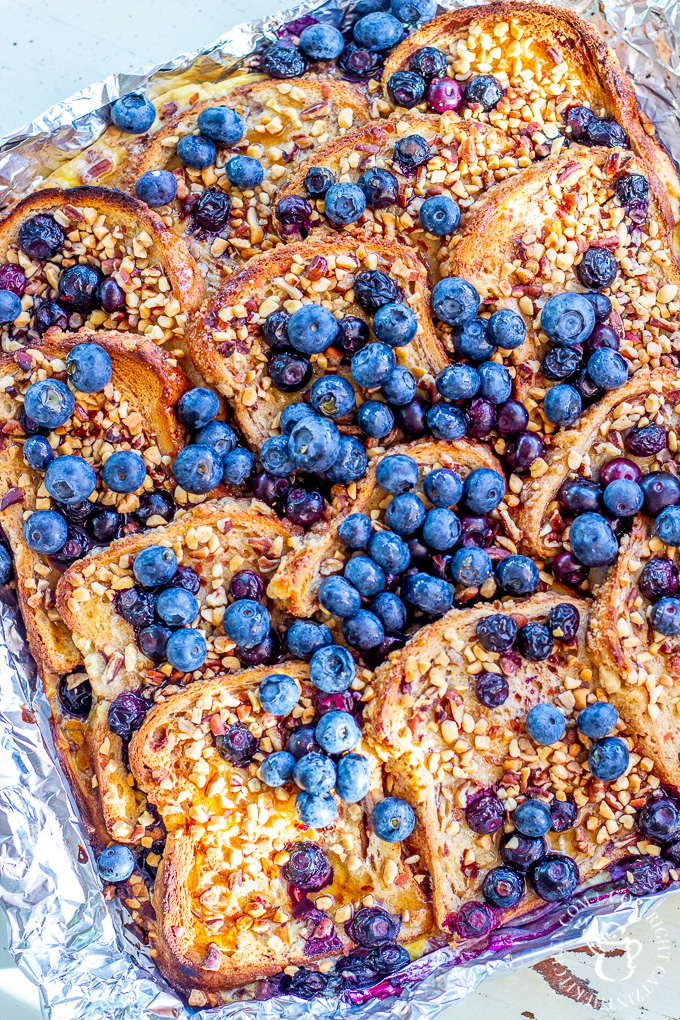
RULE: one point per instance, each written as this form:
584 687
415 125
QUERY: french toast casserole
340 494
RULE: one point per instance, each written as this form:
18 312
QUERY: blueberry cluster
534 641
213 454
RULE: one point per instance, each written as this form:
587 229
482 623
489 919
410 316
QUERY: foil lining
80 950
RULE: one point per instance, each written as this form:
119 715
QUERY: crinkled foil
79 949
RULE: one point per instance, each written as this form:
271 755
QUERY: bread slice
467 158
524 243
102 423
215 539
226 342
121 238
599 436
548 59
441 748
285 122
320 552
228 836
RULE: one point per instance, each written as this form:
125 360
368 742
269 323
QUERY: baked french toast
135 274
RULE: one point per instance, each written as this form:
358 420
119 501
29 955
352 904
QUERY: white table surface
49 50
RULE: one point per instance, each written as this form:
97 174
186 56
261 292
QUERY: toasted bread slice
101 424
215 539
547 59
226 342
285 122
443 748
525 243
599 436
228 836
320 552
467 158
121 238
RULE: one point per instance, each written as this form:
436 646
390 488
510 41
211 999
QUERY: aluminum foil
78 949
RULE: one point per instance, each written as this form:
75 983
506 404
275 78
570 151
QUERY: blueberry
447 422
246 622
517 575
198 469
561 362
359 64
659 820
353 334
196 152
646 441
441 529
660 490
484 815
578 119
555 878
429 594
624 498
483 490
377 31
667 525
602 306
49 313
393 819
395 324
344 204
314 444
339 597
563 815
154 565
116 863
375 419
126 714
237 745
78 287
455 301
631 188
75 693
391 612
412 151
350 464
45 531
472 340
439 215
545 724
607 369
10 307
289 372
429 63
563 622
512 417
562 405
597 268
665 617
579 495
5 565
659 578
244 172
197 407
294 211
133 113
502 887
412 417
373 289
70 479
303 638
597 720
177 607
186 649
365 575
534 642
372 365
212 209
218 435
331 395
321 42
608 758
222 125
484 91
397 473
520 852
314 773
491 689
354 778
275 457
282 60
303 507
317 181
507 329
567 319
497 633
406 88
532 818
443 487
292 414
471 566
495 382
37 452
307 868
389 552
49 403
592 540
380 187
277 768
355 531
332 668
311 329
316 810
458 382
405 514
337 732
363 630
41 237
88 367
414 11
124 471
246 584
156 188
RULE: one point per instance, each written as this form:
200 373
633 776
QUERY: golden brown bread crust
603 85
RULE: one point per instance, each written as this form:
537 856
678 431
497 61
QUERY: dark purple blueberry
473 920
269 489
372 926
406 88
659 579
388 958
511 417
373 289
555 877
335 702
580 496
186 578
563 622
105 525
308 983
631 188
491 689
283 60
246 584
153 641
602 336
503 887
359 64
75 694
78 287
294 211
307 867
607 132
444 94
419 552
563 815
586 387
534 642
289 372
561 362
579 118
158 503
647 441
373 657
566 569
302 741
76 513
659 819
136 607
520 852
643 875
620 469
481 418
522 451
353 334
212 209
475 531
266 652
12 278
126 714
497 632
41 237
597 268
441 566
110 296
429 63
77 545
412 418
485 814
317 181
356 970
237 745
48 314
660 490
274 329
304 508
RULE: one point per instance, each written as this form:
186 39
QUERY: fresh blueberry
312 329
156 188
339 597
133 113
217 434
554 878
37 452
481 418
314 444
667 525
597 268
355 531
532 818
395 324
391 612
497 633
597 720
6 568
545 724
458 382
471 566
405 514
412 417
363 630
665 617
246 622
495 382
283 60
332 395
246 584
472 340
277 768
292 414
580 495
196 152
70 479
393 819
608 759
443 487
316 810
534 642
332 668
314 773
154 565
186 649
397 473
564 814
198 469
289 372
365 575
344 204
116 863
304 637
455 301
275 457
517 575
351 462
441 529
222 125
177 607
212 209
317 181
377 31
624 498
389 552
244 172
45 531
406 88
512 418
153 641
375 419
10 307
88 367
447 422
412 151
507 329
592 540
607 369
354 778
414 11
567 319
49 403
503 887
429 63
197 407
41 237
431 595
484 91
372 365
439 215
660 490
303 507
562 405
373 289
602 306
337 732
321 42
483 490
124 471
